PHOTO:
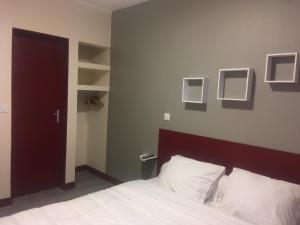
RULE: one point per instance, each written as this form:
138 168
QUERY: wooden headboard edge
269 162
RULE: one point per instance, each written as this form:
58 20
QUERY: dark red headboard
272 163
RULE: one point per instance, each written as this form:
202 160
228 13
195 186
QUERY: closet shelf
93 66
92 88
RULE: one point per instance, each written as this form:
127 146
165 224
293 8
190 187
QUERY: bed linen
132 203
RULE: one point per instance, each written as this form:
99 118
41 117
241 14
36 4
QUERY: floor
85 183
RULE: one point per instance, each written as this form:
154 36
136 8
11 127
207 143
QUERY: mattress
132 203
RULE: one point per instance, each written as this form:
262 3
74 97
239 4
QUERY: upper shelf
88 53
93 66
92 88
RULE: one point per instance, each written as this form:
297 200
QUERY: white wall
65 18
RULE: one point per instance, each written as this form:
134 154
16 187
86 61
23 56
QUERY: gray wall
157 43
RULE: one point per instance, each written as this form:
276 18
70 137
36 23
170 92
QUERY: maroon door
39 111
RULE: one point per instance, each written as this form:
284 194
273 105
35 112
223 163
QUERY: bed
147 202
137 202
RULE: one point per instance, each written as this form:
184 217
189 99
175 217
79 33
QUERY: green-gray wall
157 43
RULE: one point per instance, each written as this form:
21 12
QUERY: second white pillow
261 200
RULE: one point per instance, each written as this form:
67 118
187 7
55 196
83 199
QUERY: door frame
65 42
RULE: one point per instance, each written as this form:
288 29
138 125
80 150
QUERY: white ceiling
111 5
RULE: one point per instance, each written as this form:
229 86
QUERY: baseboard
68 186
5 202
81 168
99 174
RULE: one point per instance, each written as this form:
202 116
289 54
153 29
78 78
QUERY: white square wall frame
200 83
269 74
248 79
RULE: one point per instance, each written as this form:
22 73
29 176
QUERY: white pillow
261 200
191 178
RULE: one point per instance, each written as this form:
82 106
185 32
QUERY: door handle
57 114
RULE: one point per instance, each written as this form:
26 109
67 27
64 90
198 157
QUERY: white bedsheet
132 203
